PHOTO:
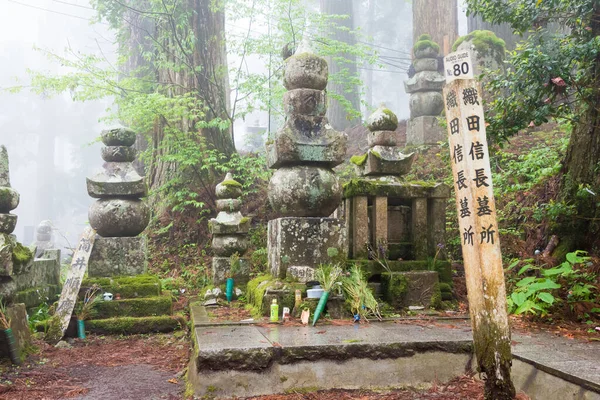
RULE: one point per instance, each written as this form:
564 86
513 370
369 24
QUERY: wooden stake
478 225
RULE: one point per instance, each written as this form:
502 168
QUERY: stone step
125 286
136 307
136 325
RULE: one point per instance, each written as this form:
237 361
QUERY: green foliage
541 290
358 294
548 74
37 315
359 160
328 275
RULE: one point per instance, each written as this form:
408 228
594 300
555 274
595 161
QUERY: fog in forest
52 141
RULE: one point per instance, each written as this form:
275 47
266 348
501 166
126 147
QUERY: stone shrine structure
43 238
425 89
25 282
408 218
304 190
230 232
119 215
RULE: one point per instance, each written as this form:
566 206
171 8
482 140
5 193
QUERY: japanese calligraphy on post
476 209
70 290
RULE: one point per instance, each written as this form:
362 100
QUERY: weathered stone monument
396 219
304 190
118 259
15 260
425 89
230 232
119 215
44 238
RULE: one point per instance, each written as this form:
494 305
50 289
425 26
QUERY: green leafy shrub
540 290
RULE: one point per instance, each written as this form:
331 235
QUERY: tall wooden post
478 225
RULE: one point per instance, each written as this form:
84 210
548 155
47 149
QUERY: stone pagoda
119 215
44 239
425 89
381 209
230 231
304 190
9 198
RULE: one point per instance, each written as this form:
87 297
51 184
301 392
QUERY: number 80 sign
458 65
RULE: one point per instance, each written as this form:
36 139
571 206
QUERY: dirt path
136 367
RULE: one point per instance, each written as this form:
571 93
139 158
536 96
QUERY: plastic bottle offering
274 311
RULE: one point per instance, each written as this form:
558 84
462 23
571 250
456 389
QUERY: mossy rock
21 255
133 325
486 43
442 267
139 307
35 296
359 160
395 287
126 286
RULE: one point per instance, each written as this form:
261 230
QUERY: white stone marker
477 222
70 290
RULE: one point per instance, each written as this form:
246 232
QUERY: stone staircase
141 306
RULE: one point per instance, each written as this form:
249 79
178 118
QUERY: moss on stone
6 195
359 160
424 44
255 291
442 267
436 297
424 36
486 43
53 330
126 286
35 296
244 220
132 325
395 287
367 187
21 255
139 307
231 182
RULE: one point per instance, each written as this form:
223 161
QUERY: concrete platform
254 360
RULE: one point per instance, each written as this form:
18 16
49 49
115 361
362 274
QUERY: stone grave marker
70 290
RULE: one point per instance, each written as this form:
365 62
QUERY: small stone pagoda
43 238
304 190
408 218
229 230
9 198
119 215
425 89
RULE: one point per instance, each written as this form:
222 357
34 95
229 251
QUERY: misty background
53 141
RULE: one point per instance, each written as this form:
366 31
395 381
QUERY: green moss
244 220
255 291
424 36
394 288
484 42
231 183
424 44
359 160
6 195
436 297
140 307
375 153
53 330
35 296
126 286
131 325
21 255
364 187
393 117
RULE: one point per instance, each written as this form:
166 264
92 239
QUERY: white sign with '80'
458 65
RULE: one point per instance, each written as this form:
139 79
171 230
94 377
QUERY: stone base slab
221 267
303 242
115 256
413 288
424 130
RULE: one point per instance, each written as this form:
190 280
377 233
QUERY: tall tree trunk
369 70
438 18
336 113
582 161
205 75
